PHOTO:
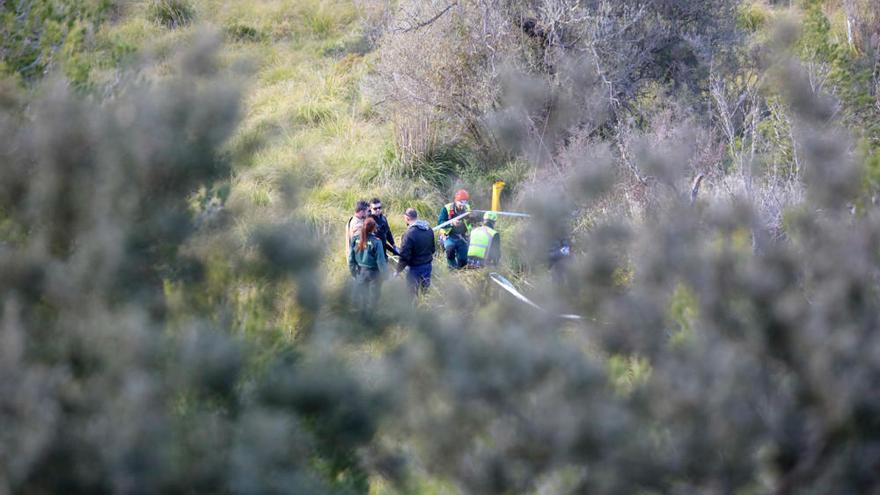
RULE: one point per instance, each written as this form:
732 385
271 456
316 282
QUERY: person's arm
405 252
388 241
443 217
352 263
380 257
391 239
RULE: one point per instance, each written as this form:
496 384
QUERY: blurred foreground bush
713 357
99 391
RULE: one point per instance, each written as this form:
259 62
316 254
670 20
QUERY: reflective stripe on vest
481 241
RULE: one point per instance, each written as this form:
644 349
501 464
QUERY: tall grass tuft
172 13
437 168
415 136
320 23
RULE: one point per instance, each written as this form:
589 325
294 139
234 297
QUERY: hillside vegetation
175 305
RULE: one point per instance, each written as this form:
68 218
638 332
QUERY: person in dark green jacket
454 235
366 261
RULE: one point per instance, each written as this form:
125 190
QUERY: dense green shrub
752 17
36 36
243 32
844 72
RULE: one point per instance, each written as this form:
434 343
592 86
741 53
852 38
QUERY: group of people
465 245
370 242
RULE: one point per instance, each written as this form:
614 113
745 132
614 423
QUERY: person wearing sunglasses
383 230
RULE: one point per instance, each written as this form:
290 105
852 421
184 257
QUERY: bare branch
428 22
695 187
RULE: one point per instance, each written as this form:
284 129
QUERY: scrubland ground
175 179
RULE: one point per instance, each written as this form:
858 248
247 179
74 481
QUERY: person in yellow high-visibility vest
485 243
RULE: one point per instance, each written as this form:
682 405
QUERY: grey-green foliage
449 63
769 391
773 389
101 391
105 388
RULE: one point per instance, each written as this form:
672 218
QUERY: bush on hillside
243 32
758 379
123 366
451 62
842 69
760 384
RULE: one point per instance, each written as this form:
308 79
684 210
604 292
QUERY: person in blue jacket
417 252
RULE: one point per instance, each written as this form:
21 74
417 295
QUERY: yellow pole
496 195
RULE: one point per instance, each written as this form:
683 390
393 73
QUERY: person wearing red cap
455 235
